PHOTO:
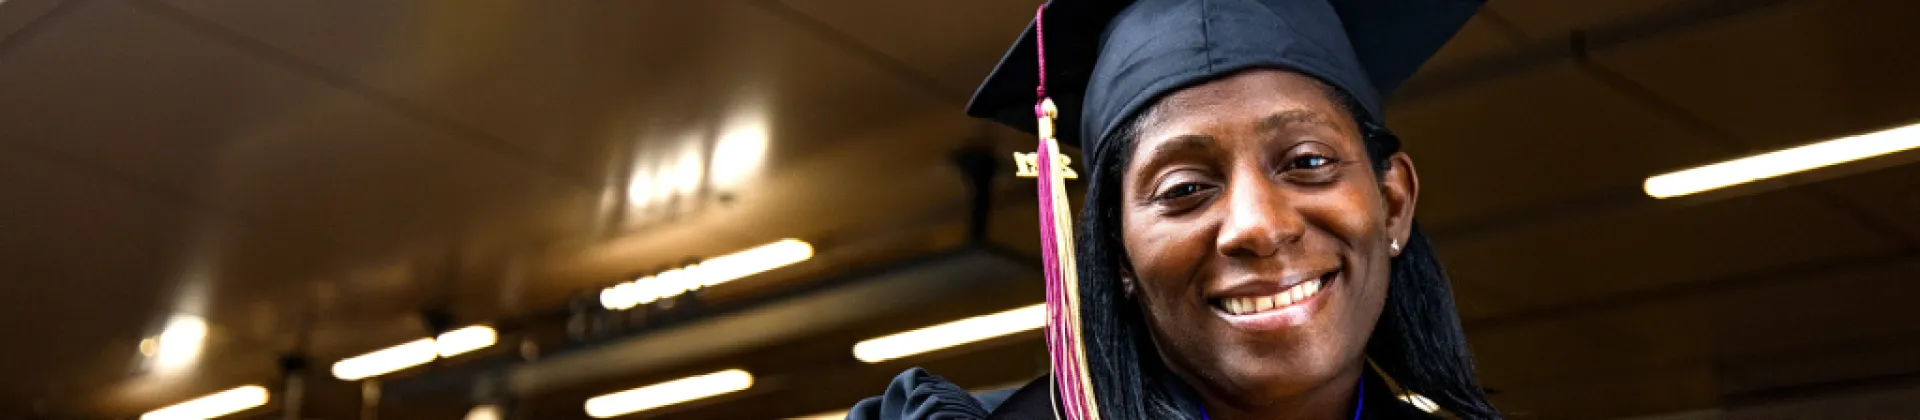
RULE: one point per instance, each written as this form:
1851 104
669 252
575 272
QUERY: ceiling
311 175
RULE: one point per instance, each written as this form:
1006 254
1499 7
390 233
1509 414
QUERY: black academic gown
918 395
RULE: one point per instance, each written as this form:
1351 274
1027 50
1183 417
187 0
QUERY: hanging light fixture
1782 162
894 346
213 405
464 340
707 273
414 353
669 393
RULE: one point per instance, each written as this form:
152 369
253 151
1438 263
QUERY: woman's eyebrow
1284 119
1184 144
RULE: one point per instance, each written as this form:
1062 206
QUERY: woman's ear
1127 282
1400 186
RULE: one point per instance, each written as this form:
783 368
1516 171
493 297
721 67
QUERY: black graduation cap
1106 60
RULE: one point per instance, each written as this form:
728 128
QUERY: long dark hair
1417 341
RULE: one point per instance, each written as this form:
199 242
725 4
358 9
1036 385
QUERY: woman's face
1258 235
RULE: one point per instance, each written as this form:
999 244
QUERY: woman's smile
1262 305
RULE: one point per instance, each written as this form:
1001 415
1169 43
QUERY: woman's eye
1182 190
1309 162
1311 169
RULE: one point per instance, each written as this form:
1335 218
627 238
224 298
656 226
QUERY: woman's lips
1289 307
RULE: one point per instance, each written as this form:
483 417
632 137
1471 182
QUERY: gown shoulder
916 394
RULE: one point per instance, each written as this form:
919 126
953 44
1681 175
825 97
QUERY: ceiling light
465 340
711 272
738 153
387 360
880 349
211 406
669 393
178 345
689 170
832 415
1783 162
485 412
414 353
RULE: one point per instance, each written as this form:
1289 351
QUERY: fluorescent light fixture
387 360
414 353
211 406
1783 162
485 412
669 393
739 151
880 349
178 345
465 340
711 272
832 415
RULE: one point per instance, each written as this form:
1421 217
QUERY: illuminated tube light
211 406
465 340
485 412
387 360
832 415
669 393
1782 162
414 353
880 349
711 272
178 345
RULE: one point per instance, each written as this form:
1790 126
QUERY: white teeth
1258 304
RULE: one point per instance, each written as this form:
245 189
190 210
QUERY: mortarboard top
1107 60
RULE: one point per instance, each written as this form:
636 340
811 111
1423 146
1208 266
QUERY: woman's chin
1288 373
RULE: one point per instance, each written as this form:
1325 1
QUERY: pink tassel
1072 383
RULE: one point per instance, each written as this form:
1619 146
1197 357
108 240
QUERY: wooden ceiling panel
954 43
16 15
1787 75
1536 145
1552 19
576 87
584 86
281 193
108 85
1659 247
1887 195
1483 36
1736 339
84 257
246 141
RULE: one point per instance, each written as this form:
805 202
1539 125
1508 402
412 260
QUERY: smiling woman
1248 250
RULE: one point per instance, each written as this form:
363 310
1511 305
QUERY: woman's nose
1259 222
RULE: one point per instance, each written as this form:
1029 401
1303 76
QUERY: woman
1248 247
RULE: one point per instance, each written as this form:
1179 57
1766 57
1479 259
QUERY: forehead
1244 99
